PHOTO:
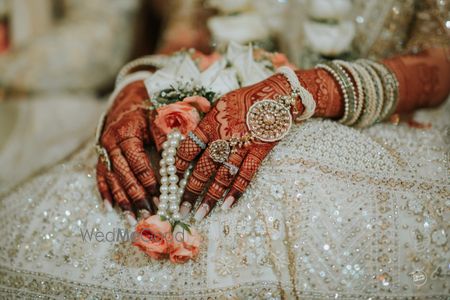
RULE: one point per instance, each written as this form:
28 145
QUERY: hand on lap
229 178
130 182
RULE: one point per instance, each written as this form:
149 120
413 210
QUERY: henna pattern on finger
188 149
117 192
102 183
120 166
140 163
202 172
224 176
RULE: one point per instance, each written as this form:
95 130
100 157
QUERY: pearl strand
170 191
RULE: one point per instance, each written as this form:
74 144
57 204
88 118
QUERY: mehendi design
132 181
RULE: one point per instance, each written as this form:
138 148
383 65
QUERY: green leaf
183 225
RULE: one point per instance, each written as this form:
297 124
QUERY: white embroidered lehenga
333 212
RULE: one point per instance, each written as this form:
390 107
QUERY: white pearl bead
173 179
173 188
172 198
171 192
171 170
164 188
163 198
171 151
170 160
163 171
176 216
177 135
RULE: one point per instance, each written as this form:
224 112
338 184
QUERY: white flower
249 71
328 39
220 79
181 71
241 28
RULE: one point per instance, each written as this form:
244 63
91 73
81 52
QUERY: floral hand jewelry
240 131
268 120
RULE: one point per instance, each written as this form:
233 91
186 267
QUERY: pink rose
185 245
183 115
179 115
153 236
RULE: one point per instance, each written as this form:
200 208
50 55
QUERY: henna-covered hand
226 120
131 181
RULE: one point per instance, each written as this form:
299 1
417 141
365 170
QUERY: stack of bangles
369 89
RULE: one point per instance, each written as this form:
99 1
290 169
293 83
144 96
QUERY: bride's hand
226 120
131 181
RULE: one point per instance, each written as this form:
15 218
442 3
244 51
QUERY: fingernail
227 203
130 218
156 201
107 205
185 209
201 212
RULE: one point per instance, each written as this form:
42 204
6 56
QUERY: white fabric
41 131
333 212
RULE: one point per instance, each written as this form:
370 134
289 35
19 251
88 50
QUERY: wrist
325 90
302 101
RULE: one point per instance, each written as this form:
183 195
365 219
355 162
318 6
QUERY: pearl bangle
359 96
369 100
390 88
298 90
346 86
378 96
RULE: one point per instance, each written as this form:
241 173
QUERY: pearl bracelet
298 90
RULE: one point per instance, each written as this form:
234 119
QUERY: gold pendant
269 120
